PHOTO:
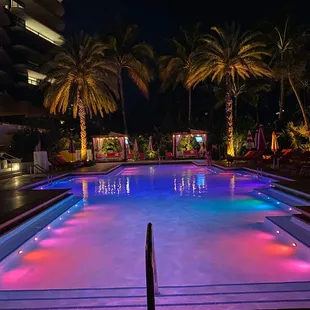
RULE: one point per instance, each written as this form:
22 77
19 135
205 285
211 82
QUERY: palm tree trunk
82 116
229 119
189 106
299 102
121 92
281 97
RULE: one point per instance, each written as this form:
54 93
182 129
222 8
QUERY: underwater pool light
49 227
278 231
60 219
290 209
278 202
20 252
36 239
294 244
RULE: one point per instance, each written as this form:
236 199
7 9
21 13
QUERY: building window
33 81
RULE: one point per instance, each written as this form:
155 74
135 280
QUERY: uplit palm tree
81 78
133 58
174 69
224 56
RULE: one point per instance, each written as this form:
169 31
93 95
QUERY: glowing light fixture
49 227
290 209
278 231
259 193
294 244
68 211
36 239
278 202
60 218
20 252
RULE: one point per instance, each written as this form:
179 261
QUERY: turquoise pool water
208 229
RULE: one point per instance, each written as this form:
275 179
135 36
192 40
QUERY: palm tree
288 62
133 58
174 69
80 77
225 55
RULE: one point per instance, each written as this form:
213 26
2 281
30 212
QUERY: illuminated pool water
208 229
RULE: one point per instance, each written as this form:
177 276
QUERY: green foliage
187 143
111 145
151 154
299 136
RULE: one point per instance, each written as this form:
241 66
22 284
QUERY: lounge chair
168 155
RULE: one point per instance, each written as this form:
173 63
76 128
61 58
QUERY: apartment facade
29 30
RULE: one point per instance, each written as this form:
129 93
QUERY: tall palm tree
132 58
82 79
288 62
225 55
174 69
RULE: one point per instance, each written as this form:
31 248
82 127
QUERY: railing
150 265
12 160
21 23
42 170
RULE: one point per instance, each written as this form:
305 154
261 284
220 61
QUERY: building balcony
4 18
53 6
4 38
21 20
40 13
24 55
20 35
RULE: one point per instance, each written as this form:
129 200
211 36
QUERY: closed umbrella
71 147
274 145
150 146
249 141
261 142
135 147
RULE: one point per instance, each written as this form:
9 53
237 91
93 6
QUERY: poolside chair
168 155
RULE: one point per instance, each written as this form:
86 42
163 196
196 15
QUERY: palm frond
81 71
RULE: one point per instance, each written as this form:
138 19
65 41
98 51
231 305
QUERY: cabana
113 146
189 144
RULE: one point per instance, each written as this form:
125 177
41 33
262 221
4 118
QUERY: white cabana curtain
99 144
122 142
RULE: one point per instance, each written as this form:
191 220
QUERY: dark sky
161 19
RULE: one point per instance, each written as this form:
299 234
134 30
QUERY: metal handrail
151 271
44 171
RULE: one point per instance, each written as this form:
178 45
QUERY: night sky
159 20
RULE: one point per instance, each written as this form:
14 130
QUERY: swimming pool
208 229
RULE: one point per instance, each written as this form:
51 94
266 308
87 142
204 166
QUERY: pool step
239 296
282 197
18 236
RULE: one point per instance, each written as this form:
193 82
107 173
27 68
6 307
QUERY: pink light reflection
13 276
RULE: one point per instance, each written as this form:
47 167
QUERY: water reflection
190 185
115 186
85 190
